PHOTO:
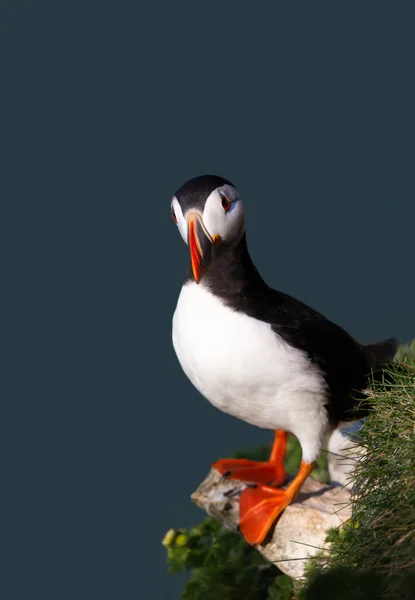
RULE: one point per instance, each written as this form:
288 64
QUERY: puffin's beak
200 245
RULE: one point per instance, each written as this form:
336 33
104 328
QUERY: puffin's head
208 213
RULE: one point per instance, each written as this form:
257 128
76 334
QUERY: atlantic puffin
259 354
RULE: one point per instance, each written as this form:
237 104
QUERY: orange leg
271 471
260 506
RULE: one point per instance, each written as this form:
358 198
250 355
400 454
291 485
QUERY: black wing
344 363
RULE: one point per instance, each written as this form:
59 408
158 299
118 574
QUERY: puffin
259 354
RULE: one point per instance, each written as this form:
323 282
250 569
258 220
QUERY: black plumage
193 193
345 364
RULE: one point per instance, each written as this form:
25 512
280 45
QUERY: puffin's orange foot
271 471
250 470
260 506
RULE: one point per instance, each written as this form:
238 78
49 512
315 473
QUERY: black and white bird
257 353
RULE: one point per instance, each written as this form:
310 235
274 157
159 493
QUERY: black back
342 361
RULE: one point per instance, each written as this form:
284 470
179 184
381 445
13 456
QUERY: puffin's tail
380 353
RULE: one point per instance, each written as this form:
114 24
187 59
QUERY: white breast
243 368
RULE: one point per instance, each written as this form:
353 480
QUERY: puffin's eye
173 214
225 202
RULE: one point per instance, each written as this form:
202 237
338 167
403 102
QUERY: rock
300 532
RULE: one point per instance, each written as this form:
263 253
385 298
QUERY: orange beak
200 245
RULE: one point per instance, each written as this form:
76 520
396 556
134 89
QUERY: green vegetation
378 543
371 556
223 566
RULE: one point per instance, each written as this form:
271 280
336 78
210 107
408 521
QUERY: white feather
243 368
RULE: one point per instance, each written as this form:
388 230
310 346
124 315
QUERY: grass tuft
379 540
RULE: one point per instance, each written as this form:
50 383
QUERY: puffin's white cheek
232 224
227 224
239 223
182 227
214 222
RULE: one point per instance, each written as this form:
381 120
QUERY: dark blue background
106 109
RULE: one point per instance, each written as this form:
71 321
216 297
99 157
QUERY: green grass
371 557
378 543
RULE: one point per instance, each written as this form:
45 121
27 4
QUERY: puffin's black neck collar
232 273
